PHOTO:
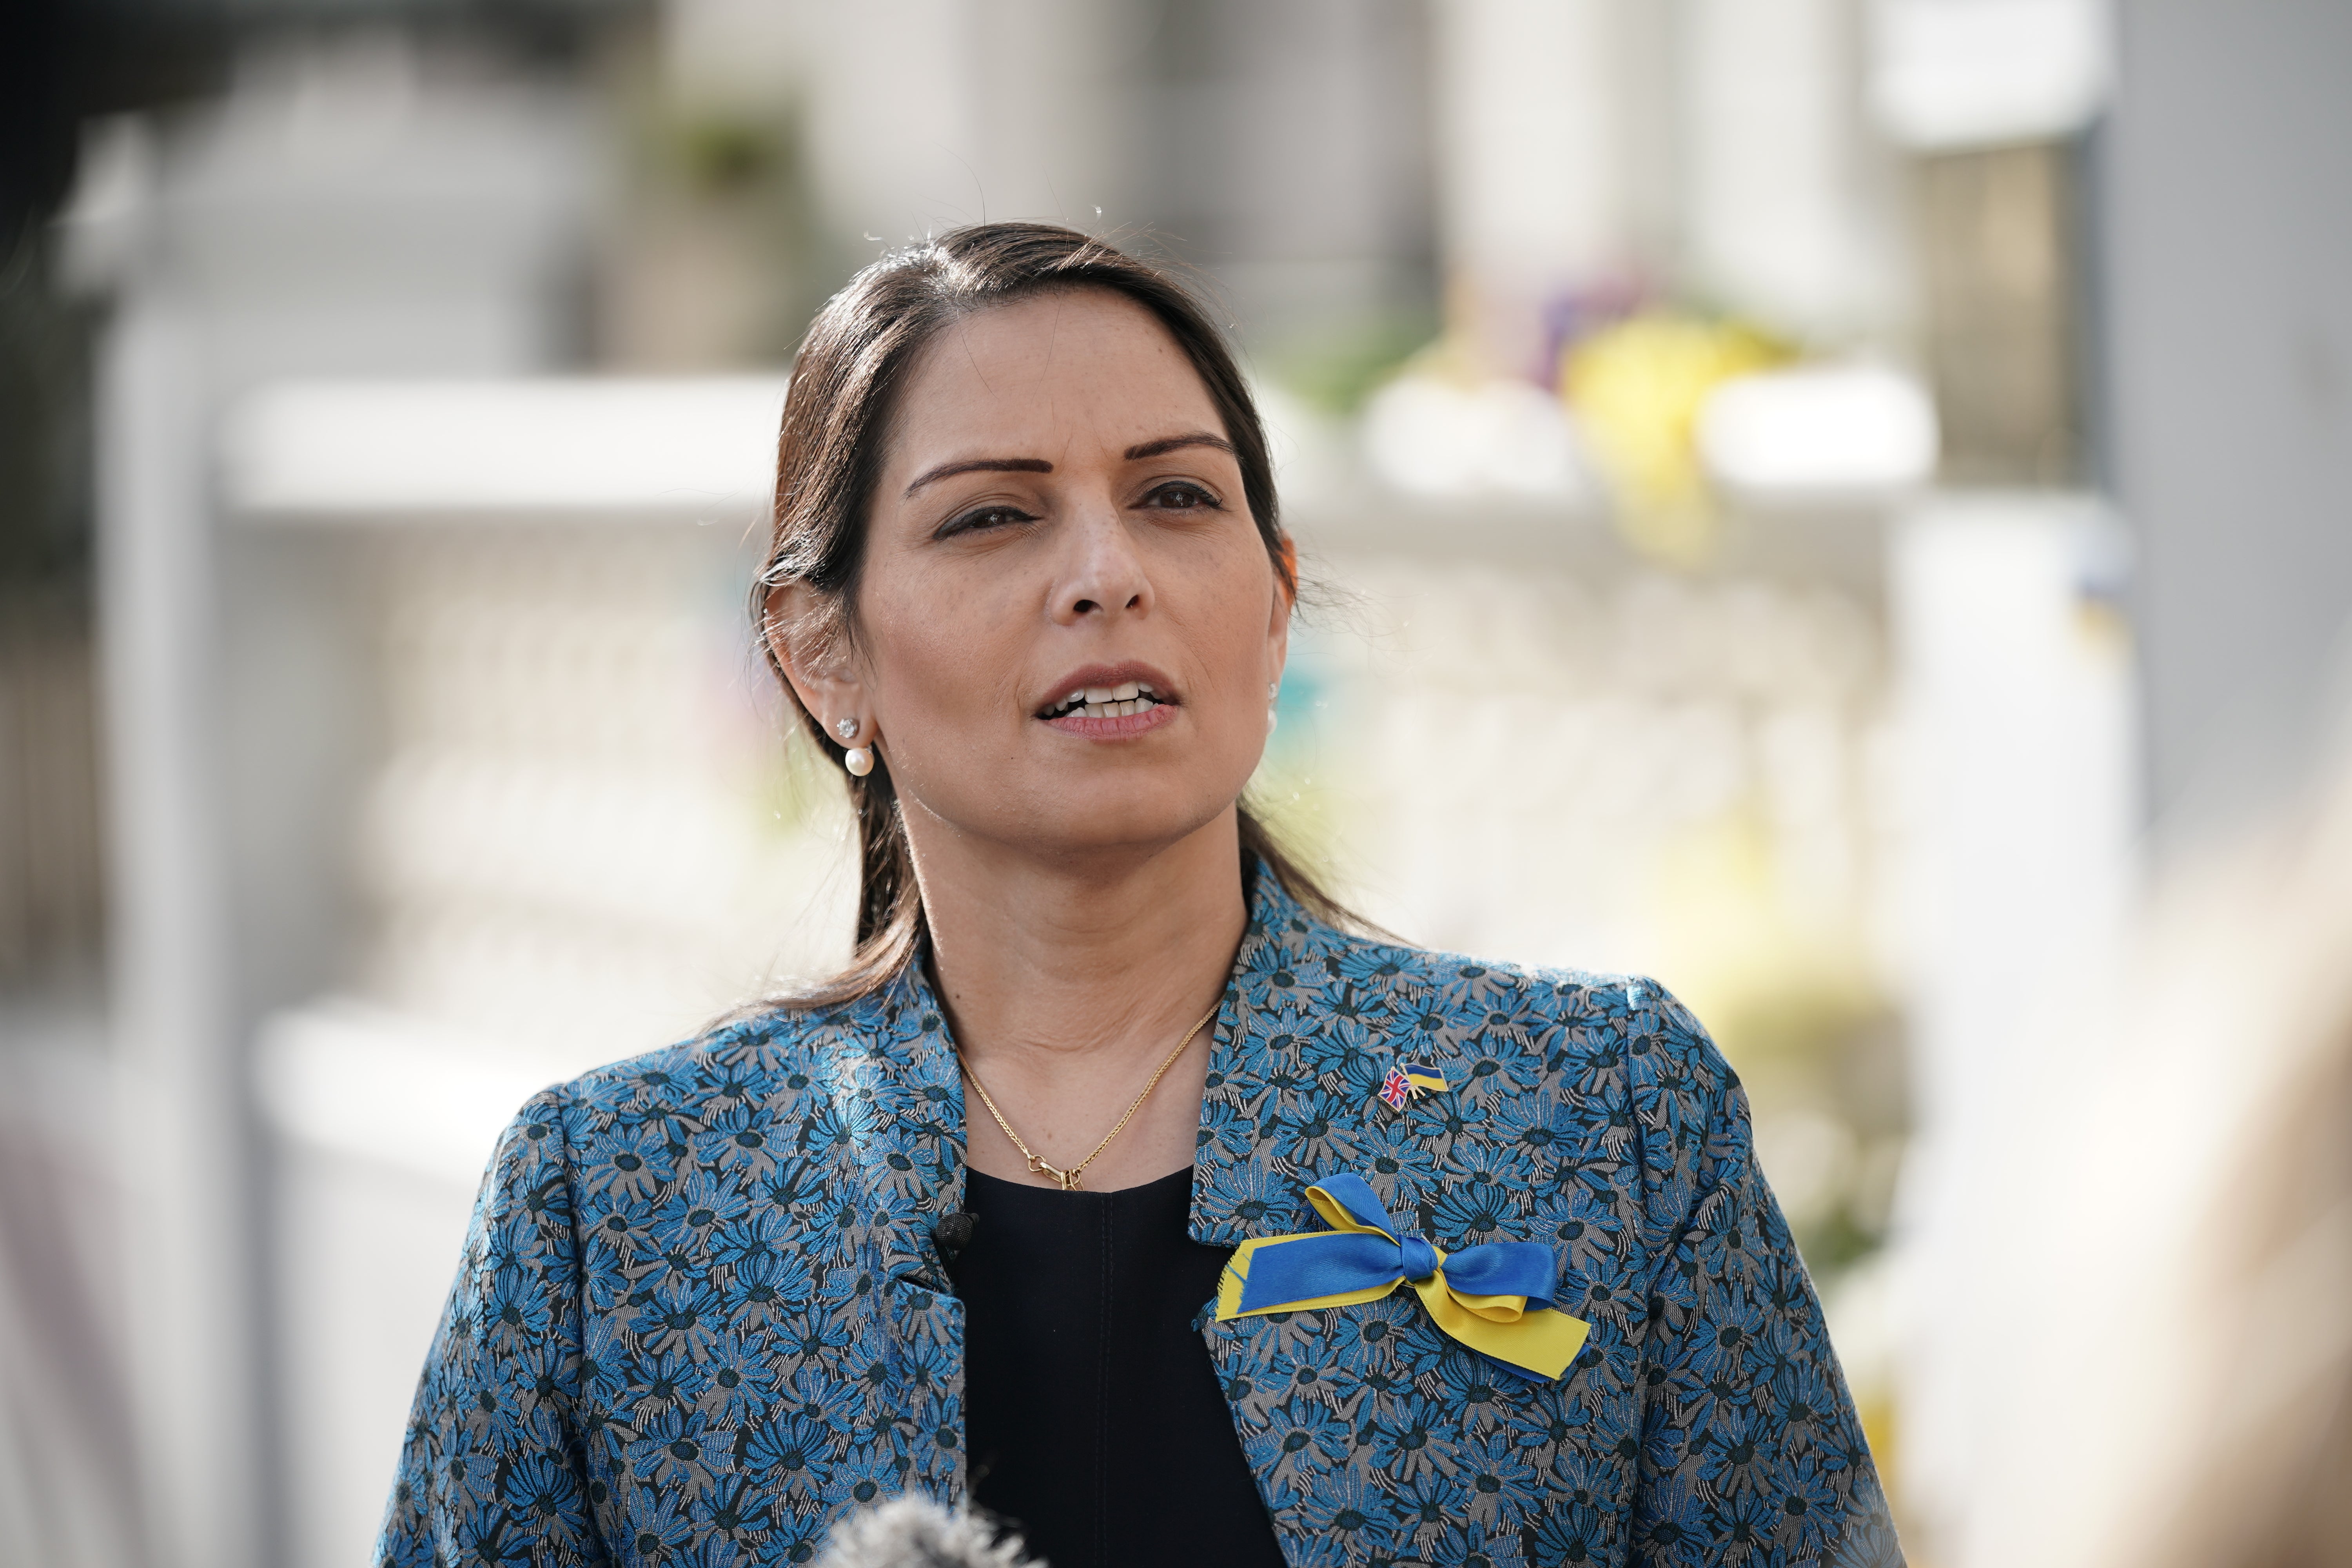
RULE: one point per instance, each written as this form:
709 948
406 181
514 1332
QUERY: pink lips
1117 727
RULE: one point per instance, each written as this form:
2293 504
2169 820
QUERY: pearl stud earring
845 728
859 760
1273 689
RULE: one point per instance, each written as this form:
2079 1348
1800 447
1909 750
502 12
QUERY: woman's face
1066 623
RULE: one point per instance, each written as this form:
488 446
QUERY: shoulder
1579 1026
1612 1067
759 1059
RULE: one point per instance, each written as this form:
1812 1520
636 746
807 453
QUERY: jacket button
953 1232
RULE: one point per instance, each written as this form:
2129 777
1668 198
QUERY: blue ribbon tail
1330 1264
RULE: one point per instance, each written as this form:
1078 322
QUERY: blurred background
1842 506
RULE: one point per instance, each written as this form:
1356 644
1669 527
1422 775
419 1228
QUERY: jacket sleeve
1751 1450
493 1468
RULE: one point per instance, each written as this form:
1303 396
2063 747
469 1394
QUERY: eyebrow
983 466
1176 443
1136 454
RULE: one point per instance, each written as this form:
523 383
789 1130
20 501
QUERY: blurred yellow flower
1636 388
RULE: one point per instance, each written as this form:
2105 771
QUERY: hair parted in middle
845 381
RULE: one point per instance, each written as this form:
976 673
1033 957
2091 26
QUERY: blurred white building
443 768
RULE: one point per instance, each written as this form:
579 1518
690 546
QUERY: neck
1051 968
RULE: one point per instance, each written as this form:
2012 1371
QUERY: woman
1144 1292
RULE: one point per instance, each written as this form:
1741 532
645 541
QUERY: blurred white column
2225 204
1532 151
923 115
184 1135
2021 773
348 206
1791 210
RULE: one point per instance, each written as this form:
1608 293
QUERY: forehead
1075 368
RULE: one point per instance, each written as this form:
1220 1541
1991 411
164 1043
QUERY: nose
1101 571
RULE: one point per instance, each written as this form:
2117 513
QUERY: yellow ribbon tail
1543 1341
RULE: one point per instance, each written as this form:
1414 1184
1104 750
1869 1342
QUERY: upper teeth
1107 701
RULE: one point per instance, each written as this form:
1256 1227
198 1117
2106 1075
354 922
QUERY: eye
996 515
1181 495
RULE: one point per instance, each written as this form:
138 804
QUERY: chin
1122 819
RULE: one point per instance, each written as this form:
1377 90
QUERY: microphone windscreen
913 1531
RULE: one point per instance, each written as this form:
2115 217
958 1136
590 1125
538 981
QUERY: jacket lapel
1312 1023
908 1095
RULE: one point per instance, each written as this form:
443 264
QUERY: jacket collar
1227 1163
1273 1115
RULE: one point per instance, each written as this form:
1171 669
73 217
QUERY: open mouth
1117 701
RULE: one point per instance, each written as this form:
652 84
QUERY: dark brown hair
844 384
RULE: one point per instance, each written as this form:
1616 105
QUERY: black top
1093 1416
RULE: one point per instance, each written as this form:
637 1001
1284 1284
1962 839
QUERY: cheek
1228 623
941 657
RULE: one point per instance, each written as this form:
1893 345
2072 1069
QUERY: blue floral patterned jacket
701 1312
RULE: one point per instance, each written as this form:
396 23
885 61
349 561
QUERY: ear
804 634
1277 631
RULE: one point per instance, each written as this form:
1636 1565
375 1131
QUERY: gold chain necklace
1068 1180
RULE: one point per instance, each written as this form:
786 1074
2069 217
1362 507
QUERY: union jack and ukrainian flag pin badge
1408 1081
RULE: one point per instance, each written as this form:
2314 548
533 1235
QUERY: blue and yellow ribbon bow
1495 1298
